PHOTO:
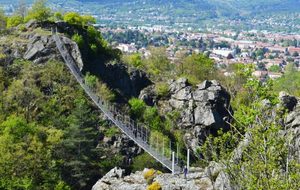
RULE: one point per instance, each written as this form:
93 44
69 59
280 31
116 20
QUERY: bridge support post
163 148
188 159
177 154
173 163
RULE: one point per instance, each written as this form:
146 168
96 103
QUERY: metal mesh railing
134 130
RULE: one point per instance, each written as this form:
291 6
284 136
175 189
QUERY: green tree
80 139
197 67
73 18
88 20
134 60
158 63
39 11
25 153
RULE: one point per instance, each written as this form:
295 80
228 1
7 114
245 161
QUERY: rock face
203 110
120 144
197 179
292 124
39 46
129 82
42 48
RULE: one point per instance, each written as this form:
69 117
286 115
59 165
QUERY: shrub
94 48
78 39
134 60
162 89
152 118
90 80
58 16
154 186
14 21
73 18
77 19
111 131
88 19
137 107
149 173
22 28
106 93
143 160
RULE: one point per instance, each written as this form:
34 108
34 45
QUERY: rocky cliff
291 127
203 109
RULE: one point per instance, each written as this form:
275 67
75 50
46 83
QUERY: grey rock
213 170
222 182
148 95
204 110
196 180
183 94
287 101
204 85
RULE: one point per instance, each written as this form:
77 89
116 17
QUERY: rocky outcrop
120 144
197 179
128 82
292 124
39 47
42 48
203 110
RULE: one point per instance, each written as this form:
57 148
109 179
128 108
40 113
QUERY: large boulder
203 110
42 48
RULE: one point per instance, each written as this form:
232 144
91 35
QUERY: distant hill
217 7
185 13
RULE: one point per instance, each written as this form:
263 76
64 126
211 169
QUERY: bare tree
22 8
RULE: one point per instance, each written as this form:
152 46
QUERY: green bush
144 160
88 20
152 118
22 28
78 39
90 80
137 107
162 89
106 93
73 18
133 59
111 131
14 21
77 19
94 48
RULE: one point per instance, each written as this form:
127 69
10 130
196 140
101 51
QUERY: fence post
173 163
177 153
163 147
157 143
171 148
188 159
